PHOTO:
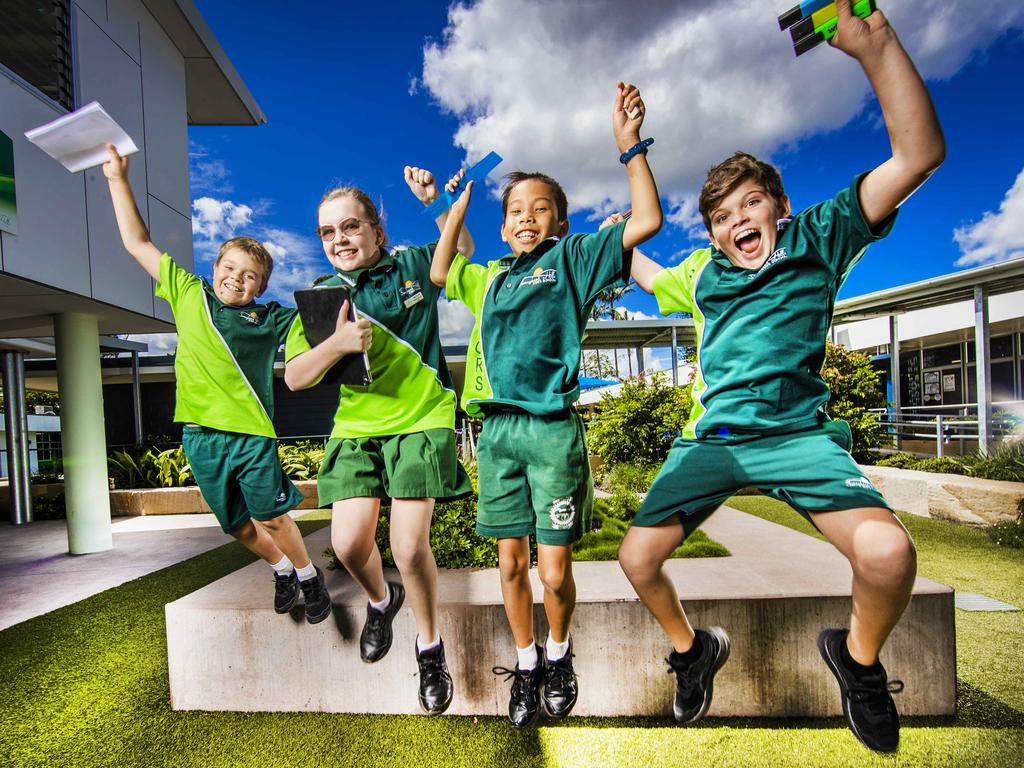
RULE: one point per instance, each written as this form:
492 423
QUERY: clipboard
318 308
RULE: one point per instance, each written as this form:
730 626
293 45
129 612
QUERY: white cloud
716 77
159 343
214 219
207 174
455 322
998 236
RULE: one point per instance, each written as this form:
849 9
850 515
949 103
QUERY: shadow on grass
975 709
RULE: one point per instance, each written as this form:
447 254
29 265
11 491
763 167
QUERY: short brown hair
254 248
517 177
729 174
363 199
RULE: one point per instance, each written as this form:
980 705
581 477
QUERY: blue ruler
478 172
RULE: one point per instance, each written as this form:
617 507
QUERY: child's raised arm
642 268
133 230
445 251
918 147
306 369
421 183
646 219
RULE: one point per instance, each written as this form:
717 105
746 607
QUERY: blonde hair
364 200
254 248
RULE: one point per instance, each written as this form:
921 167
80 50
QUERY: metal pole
18 468
675 358
136 398
639 360
939 436
894 374
982 358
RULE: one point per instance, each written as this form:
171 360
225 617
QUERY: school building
66 284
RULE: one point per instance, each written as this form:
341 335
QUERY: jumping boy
224 394
762 299
522 370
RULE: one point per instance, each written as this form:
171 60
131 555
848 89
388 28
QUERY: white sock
421 646
383 604
284 567
528 657
306 573
555 651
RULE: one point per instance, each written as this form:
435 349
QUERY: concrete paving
37 575
227 650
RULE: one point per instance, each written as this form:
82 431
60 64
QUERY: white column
894 372
18 470
982 369
80 384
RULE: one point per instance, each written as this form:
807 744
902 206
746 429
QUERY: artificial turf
86 685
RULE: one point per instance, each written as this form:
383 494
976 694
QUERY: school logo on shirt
410 293
860 482
563 513
252 316
540 276
775 258
282 497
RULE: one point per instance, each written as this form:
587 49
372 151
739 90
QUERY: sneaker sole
399 600
724 647
832 663
319 617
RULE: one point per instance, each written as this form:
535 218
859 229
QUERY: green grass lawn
86 685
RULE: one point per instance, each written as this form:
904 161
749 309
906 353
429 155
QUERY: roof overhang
630 334
214 91
1004 277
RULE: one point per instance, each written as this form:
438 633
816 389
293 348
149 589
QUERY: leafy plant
150 469
301 461
638 425
630 477
855 389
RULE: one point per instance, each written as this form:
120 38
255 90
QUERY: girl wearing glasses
393 438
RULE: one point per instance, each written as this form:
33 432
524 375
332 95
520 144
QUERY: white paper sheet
78 140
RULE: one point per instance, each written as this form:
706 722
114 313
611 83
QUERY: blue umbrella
588 382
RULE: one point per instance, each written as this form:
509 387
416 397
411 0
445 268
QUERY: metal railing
946 425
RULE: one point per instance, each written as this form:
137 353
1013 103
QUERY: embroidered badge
563 513
860 482
540 276
252 316
410 293
775 258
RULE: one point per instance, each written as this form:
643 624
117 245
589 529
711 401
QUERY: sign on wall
8 208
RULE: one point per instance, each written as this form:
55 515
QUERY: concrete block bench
228 650
136 502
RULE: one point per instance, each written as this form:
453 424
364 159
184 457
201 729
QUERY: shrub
301 460
946 464
1005 462
899 461
638 425
1009 533
630 477
49 507
150 469
621 505
855 388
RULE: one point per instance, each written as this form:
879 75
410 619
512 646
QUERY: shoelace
559 673
520 677
432 667
875 698
312 589
686 677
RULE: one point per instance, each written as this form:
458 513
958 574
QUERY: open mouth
748 241
526 235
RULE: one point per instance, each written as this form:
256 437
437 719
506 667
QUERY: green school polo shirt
531 315
761 333
411 389
224 364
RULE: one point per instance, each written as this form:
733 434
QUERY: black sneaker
317 598
286 592
867 701
375 640
524 703
435 683
560 688
695 681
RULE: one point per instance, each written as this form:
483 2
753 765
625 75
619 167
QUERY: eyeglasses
349 228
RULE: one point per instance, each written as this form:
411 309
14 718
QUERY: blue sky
353 92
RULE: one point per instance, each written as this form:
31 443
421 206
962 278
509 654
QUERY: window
35 44
936 356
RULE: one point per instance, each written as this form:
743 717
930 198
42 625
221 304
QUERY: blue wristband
636 149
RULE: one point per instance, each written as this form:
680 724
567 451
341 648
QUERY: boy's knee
890 553
246 532
352 550
635 562
556 577
276 524
409 553
514 566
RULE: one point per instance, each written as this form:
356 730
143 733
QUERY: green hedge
1005 462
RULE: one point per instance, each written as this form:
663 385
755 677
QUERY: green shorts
811 470
240 475
534 477
420 465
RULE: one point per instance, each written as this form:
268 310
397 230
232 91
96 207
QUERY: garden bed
136 502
